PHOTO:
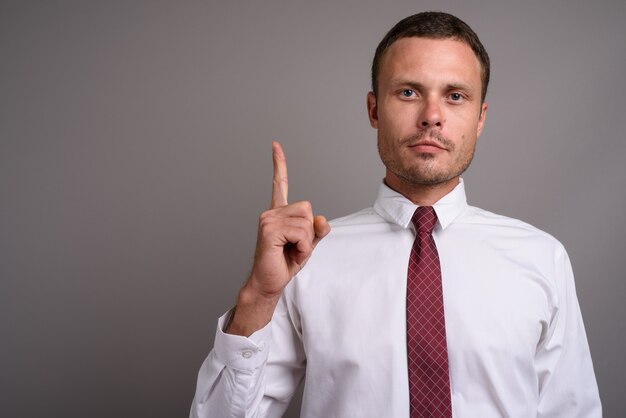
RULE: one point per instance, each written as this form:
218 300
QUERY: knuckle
266 220
311 237
280 181
305 206
264 216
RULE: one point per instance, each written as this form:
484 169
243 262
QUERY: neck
421 194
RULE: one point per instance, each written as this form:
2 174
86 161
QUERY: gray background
135 158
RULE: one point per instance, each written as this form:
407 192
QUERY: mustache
431 134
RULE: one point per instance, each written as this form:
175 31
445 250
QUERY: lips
427 146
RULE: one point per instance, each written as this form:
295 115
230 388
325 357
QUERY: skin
287 235
428 114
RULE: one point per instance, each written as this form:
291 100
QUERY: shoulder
505 229
482 218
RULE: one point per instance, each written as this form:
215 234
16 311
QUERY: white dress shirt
516 342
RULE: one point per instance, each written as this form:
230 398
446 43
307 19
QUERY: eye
456 97
407 93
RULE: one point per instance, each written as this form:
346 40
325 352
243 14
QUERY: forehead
424 57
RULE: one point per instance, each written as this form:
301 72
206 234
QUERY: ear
481 119
372 110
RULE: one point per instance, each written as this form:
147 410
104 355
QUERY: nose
430 115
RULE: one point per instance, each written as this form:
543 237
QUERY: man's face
428 112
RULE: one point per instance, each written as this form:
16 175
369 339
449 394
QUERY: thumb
321 228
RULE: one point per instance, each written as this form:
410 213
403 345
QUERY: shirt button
261 346
246 353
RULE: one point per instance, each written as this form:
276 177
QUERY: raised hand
287 235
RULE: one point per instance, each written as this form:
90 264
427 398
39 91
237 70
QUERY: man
472 315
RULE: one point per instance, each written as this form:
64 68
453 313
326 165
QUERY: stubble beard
423 170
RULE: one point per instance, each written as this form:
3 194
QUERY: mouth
427 147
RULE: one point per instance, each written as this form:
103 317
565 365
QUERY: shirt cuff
242 353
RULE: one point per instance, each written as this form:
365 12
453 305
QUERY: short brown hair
433 25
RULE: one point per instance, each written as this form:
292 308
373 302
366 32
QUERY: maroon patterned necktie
429 381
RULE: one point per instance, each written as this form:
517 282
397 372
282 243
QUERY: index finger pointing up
280 185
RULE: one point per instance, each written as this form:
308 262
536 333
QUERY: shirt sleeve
253 376
567 384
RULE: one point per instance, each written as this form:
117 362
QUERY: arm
567 384
287 235
240 378
252 376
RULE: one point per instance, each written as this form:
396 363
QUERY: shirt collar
397 209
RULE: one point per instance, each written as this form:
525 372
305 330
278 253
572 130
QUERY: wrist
253 311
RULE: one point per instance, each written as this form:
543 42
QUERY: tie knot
424 219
